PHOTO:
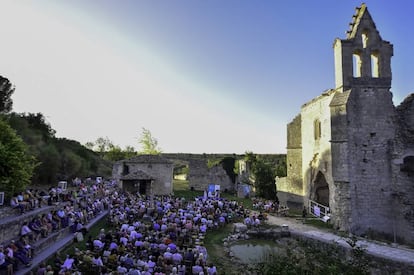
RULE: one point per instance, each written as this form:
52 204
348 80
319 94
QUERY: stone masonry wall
162 173
10 228
371 118
316 151
403 181
341 191
200 176
290 188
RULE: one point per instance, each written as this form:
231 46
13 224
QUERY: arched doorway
320 189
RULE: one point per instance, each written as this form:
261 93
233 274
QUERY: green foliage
59 158
182 190
82 163
149 144
109 151
263 170
6 90
16 164
48 169
308 258
211 162
315 222
264 175
38 122
236 168
103 144
281 169
182 169
250 157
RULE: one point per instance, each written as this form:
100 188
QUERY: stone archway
320 189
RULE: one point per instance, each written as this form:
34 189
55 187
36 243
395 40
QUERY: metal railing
319 210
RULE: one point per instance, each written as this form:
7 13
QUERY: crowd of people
270 206
72 209
152 235
146 234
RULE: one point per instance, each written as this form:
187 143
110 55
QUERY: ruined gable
363 58
406 118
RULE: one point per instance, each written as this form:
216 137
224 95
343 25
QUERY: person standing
304 214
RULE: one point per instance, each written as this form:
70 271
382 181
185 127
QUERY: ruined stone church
350 148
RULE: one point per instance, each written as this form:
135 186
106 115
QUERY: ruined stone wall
341 191
117 171
371 118
200 176
316 149
162 174
403 180
290 189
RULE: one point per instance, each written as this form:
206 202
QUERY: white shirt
98 243
2 258
97 261
25 230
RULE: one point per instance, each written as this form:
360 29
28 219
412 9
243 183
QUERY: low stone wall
384 266
291 200
10 226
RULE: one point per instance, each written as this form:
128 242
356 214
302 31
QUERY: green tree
115 153
47 171
129 152
6 90
16 165
149 144
59 158
90 145
264 175
103 144
281 169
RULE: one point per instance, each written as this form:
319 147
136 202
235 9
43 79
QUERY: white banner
317 211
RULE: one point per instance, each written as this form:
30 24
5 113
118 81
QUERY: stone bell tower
363 58
363 128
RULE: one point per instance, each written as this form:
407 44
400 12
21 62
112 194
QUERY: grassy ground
214 245
181 189
318 223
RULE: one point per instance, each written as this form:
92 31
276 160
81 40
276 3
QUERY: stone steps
45 248
10 225
44 243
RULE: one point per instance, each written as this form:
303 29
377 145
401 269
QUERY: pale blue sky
202 76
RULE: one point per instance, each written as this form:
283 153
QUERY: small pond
253 252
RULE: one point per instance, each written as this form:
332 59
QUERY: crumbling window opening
364 37
357 64
317 132
375 70
125 169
